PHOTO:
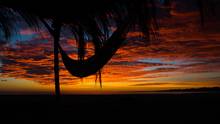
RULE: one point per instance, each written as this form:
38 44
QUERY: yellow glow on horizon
22 86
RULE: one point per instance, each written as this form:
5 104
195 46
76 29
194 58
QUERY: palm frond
6 22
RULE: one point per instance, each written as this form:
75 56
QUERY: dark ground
93 108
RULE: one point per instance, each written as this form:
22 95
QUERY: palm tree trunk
55 32
57 28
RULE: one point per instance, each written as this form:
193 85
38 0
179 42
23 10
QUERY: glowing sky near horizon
186 56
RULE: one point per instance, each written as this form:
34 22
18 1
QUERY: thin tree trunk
55 32
57 28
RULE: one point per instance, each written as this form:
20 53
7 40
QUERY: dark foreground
94 108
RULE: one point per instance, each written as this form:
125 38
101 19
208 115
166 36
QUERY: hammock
93 64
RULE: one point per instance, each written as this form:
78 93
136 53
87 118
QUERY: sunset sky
185 55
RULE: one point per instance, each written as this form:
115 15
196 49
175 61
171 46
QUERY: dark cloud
38 70
2 43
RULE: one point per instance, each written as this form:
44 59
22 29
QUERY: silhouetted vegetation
89 21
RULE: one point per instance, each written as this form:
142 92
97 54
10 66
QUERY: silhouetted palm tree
89 21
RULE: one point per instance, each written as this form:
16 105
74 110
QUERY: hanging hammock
93 64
